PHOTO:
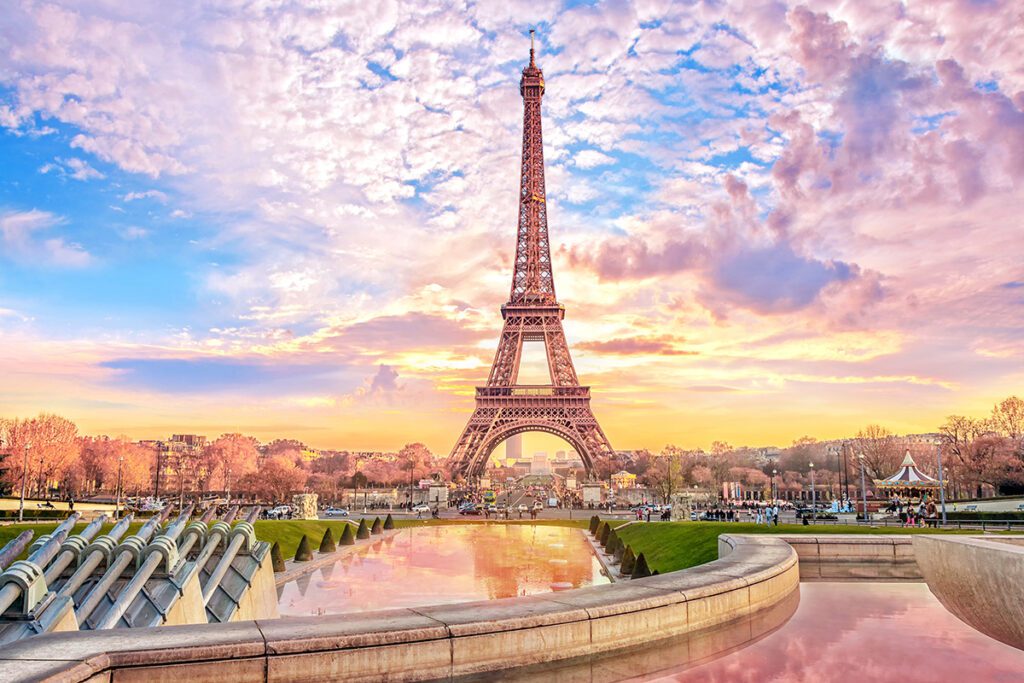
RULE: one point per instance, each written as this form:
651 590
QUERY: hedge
389 523
304 553
594 521
327 545
276 558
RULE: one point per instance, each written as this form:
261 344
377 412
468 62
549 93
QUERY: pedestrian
758 521
648 514
775 514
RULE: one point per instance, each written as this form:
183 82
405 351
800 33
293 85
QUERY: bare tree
880 449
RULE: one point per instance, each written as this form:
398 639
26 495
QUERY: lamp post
774 472
117 506
942 484
24 481
814 509
863 487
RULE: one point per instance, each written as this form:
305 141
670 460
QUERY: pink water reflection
864 632
430 565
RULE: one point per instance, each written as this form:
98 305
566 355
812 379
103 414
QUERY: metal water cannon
72 549
23 584
122 556
162 552
98 553
243 535
15 547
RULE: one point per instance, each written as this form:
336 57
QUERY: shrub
986 516
377 526
628 561
599 530
347 537
389 523
363 531
613 543
276 558
640 569
304 552
605 533
327 545
594 521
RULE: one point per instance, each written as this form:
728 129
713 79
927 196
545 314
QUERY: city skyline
764 225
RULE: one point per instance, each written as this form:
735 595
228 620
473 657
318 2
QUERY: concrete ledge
981 581
855 557
753 573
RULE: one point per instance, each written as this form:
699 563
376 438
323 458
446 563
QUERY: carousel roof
909 476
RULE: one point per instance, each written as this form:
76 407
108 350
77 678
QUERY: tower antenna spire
531 47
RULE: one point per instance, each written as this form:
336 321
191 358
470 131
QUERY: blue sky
308 214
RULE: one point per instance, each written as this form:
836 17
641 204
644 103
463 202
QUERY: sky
768 219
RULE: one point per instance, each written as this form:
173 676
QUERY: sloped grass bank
669 546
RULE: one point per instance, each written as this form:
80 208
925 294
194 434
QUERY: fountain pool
431 565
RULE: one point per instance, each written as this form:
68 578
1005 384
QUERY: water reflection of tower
508 559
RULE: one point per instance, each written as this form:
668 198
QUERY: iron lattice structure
532 314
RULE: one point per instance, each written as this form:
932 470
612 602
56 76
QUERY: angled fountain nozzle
229 516
14 548
254 514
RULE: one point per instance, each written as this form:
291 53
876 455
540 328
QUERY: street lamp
117 506
774 472
24 480
814 509
863 487
942 484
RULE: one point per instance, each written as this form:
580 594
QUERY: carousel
909 483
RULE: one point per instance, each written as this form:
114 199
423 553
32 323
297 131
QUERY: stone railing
752 574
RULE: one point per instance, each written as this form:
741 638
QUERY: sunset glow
766 221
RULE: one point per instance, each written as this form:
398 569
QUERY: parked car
336 512
522 507
537 505
279 511
469 510
422 508
492 507
1020 508
971 508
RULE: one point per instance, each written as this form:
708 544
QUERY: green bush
327 545
640 569
377 526
276 558
304 553
347 537
363 531
599 530
612 546
389 523
628 561
31 513
594 521
960 516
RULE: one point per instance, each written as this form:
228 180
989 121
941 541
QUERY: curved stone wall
751 574
981 581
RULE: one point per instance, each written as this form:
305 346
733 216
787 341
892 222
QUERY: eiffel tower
505 408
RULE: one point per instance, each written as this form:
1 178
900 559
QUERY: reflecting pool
829 632
431 565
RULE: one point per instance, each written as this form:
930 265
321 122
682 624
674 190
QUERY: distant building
540 464
514 447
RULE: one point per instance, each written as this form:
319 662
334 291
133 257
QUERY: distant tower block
505 408
514 447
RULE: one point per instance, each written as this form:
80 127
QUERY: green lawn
669 546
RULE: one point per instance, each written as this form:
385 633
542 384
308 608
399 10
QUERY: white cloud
72 167
591 158
19 230
146 194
